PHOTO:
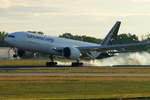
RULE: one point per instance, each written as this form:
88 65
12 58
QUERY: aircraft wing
103 48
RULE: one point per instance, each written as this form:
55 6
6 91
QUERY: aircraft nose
6 39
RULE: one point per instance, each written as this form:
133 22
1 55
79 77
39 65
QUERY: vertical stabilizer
111 36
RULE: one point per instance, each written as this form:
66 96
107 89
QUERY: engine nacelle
71 53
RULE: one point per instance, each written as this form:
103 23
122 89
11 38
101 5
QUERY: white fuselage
41 43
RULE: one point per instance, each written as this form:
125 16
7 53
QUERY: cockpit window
12 36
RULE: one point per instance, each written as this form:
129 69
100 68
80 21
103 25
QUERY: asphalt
69 74
63 67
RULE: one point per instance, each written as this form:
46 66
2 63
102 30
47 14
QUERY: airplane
28 43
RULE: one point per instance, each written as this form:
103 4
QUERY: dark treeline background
2 35
120 39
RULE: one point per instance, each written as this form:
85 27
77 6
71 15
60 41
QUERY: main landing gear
54 64
51 63
77 64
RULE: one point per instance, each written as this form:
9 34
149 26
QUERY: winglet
112 34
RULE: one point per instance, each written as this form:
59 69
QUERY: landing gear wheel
15 56
77 64
51 64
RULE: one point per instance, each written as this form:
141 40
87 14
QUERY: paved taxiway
68 74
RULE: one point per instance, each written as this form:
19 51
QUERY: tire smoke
124 59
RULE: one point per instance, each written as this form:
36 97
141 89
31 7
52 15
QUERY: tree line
2 36
120 39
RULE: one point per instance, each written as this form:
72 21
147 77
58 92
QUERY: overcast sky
82 17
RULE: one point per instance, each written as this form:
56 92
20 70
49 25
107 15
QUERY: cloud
73 14
33 9
21 3
140 0
5 3
77 14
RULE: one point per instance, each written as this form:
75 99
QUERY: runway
70 74
65 67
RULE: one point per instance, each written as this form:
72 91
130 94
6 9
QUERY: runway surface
69 74
65 67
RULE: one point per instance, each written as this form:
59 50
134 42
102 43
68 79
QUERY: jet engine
71 53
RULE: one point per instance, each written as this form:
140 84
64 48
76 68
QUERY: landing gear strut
78 63
54 64
51 63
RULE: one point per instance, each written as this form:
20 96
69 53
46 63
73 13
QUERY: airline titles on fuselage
40 37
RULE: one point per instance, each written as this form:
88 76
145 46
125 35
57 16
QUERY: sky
80 17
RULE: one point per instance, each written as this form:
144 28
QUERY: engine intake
71 53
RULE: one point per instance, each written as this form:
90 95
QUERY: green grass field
22 62
45 88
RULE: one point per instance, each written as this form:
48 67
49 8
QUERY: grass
45 88
69 78
22 62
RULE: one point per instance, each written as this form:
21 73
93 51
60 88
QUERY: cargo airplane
28 43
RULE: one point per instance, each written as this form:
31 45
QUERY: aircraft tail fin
111 36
